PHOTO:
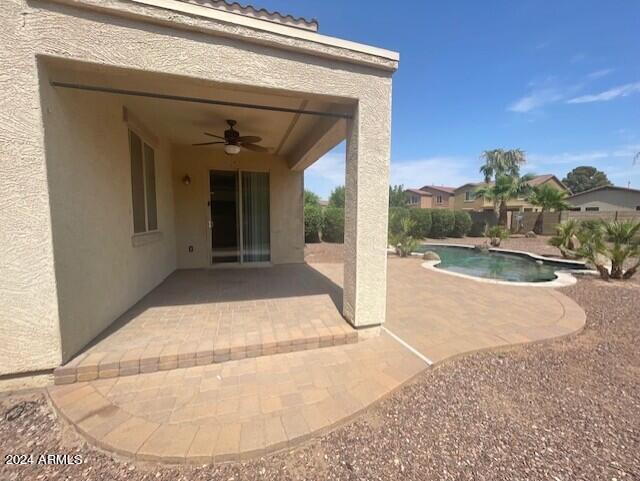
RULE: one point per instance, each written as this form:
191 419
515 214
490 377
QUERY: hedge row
434 223
328 223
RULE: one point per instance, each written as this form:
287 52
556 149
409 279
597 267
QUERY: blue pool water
494 265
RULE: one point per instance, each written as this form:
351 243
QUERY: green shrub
462 223
333 228
313 220
442 223
396 217
421 223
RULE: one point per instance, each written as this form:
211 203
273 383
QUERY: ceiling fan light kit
231 149
234 142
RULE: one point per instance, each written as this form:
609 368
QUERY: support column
366 210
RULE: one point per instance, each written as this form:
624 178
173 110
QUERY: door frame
241 263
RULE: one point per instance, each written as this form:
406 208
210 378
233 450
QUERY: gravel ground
564 410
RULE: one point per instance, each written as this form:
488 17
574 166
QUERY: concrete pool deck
251 407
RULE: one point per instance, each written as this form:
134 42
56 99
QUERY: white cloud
613 93
537 98
330 167
449 171
599 73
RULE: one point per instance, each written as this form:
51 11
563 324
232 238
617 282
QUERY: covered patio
109 138
204 316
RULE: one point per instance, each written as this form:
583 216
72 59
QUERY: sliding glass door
255 217
240 228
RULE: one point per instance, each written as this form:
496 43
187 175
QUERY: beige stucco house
419 199
466 198
104 194
431 197
607 198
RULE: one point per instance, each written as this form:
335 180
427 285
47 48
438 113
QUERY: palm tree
547 198
505 188
616 241
566 238
499 162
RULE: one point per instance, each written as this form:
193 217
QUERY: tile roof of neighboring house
537 180
448 190
614 187
469 184
419 192
259 13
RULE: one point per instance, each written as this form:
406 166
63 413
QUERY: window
469 196
143 185
439 199
592 209
413 199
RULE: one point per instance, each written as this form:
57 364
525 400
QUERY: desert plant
442 223
462 223
613 242
505 188
313 220
566 238
402 240
547 198
333 227
422 221
497 234
396 215
500 162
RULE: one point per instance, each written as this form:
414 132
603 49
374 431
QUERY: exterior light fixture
186 180
231 149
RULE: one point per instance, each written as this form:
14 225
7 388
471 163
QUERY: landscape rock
430 256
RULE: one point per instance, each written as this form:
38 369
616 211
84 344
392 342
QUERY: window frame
145 144
469 196
439 199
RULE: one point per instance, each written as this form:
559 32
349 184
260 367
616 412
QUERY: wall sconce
186 180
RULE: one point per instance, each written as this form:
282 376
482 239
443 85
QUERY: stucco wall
608 200
99 271
29 320
192 211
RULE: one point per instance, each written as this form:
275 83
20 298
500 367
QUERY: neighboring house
466 198
103 192
419 199
606 198
442 197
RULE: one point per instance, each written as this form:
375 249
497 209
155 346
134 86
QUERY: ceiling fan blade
208 143
214 135
248 139
254 147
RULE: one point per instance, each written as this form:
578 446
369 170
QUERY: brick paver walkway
249 407
236 409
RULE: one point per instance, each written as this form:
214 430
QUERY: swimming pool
503 266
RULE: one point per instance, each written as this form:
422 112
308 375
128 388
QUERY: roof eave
211 21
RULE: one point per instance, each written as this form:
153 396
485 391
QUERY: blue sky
559 79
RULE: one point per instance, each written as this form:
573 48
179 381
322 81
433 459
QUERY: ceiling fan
233 141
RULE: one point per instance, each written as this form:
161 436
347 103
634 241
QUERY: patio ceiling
288 134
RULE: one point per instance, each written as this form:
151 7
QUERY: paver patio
200 316
253 406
